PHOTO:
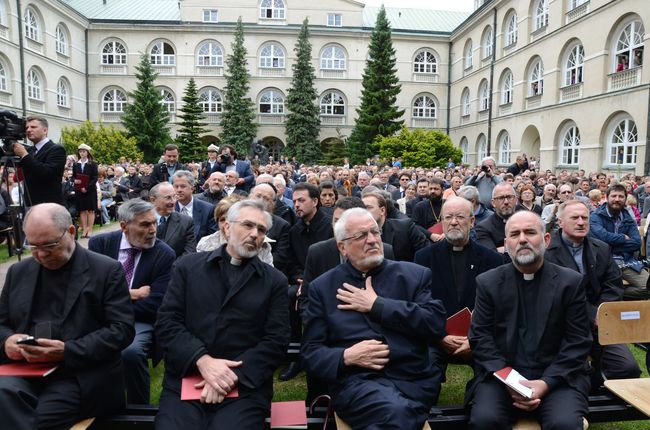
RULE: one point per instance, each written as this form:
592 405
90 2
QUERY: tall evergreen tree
303 120
146 118
192 125
378 113
238 119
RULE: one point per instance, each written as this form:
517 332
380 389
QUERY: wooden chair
626 322
83 424
341 425
526 424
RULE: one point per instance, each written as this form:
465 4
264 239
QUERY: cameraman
163 172
42 164
228 161
485 181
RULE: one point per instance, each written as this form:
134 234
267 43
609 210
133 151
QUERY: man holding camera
485 181
228 161
42 164
163 172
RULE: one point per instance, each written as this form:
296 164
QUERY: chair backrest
624 322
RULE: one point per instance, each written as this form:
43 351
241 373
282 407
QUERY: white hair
340 228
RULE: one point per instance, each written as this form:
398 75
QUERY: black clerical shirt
525 357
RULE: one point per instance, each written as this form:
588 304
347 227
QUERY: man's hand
209 394
217 373
451 343
12 349
464 351
356 299
19 150
371 354
241 181
47 350
436 237
140 293
540 388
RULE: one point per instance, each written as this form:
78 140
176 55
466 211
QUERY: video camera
12 129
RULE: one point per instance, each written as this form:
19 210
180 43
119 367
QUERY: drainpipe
646 168
491 83
21 50
87 78
448 88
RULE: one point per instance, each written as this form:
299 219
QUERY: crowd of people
218 265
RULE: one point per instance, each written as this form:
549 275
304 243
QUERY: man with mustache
427 212
368 324
529 315
602 281
491 231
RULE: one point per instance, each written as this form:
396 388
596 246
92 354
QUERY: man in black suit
224 317
147 263
602 281
421 193
279 232
175 229
491 231
530 315
42 164
228 161
82 300
163 172
201 212
402 234
404 181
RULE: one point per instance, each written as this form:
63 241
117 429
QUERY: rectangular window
334 20
210 15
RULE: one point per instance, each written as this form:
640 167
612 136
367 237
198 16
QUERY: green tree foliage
425 148
188 139
333 152
377 113
238 120
146 118
303 120
108 143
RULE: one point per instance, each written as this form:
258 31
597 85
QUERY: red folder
84 180
511 378
189 392
286 414
458 324
436 228
34 370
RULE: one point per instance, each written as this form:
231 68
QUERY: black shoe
292 370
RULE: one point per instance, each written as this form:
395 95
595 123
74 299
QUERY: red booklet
458 324
511 378
189 392
34 370
436 228
287 414
84 180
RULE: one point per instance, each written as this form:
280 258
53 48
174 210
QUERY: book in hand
511 378
458 324
189 392
27 370
83 181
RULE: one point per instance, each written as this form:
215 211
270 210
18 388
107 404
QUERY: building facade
514 76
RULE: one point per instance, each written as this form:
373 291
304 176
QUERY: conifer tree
146 119
303 120
189 142
238 119
377 113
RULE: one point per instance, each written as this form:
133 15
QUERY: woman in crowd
409 194
84 173
527 200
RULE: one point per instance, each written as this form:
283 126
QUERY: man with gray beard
367 329
491 231
529 315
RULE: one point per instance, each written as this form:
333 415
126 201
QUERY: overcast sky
461 5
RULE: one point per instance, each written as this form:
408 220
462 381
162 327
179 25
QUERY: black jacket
405 238
43 173
301 237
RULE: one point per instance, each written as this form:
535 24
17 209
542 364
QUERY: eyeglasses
363 235
504 198
459 218
45 246
566 192
250 225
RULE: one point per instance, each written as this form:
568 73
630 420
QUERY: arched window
113 53
570 145
536 79
511 29
32 25
629 46
425 62
4 84
623 142
332 58
486 42
272 102
573 66
507 88
62 93
464 101
424 107
483 96
332 103
61 42
469 54
272 56
210 100
162 54
504 149
167 100
113 100
481 149
34 85
272 9
464 146
209 54
541 14
575 3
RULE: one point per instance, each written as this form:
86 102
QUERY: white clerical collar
457 248
235 261
529 276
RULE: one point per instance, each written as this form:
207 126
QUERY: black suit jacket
158 176
180 234
563 329
603 281
491 232
281 249
405 238
43 173
203 218
301 237
436 257
153 269
97 323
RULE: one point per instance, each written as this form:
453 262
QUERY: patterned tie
162 228
129 264
184 211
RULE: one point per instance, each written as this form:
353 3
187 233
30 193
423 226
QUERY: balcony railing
209 70
571 92
270 118
423 122
332 120
425 77
625 79
577 12
114 69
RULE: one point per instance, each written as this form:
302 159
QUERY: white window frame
487 41
574 65
483 96
464 146
272 9
210 15
624 137
424 106
115 55
507 88
34 85
61 40
160 55
167 100
273 100
575 3
333 58
62 93
211 100
536 79
113 101
272 56
628 42
4 78
425 62
334 19
465 103
570 146
511 30
332 103
481 148
505 148
209 54
469 54
541 14
32 25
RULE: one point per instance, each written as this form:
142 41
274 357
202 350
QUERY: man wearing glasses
368 325
76 304
491 231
